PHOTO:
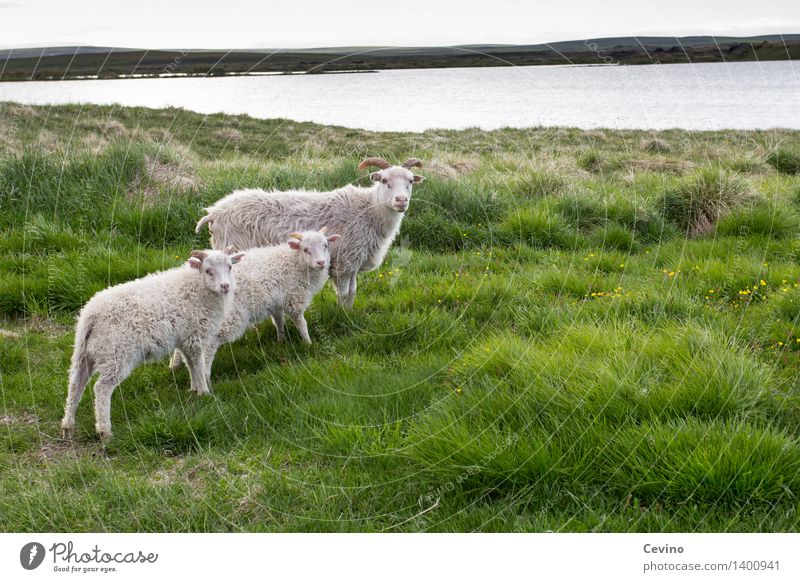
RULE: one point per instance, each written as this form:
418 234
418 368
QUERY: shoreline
68 63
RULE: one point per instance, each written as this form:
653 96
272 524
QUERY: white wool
142 320
368 220
270 282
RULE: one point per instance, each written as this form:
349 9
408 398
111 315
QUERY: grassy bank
576 330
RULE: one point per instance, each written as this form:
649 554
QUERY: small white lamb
125 325
270 282
368 219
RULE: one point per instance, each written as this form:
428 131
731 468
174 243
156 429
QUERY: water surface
701 96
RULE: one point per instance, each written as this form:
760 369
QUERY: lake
699 96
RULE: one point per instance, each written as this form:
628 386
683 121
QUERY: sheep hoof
68 432
105 435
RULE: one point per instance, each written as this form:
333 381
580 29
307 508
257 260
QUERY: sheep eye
385 181
411 181
305 251
208 272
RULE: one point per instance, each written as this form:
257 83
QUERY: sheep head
313 247
394 182
215 269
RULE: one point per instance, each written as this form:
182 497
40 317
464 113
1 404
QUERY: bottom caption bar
402 556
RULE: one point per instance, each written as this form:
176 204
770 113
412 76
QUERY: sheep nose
401 199
320 263
225 287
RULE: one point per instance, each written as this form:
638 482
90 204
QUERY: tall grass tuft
697 202
590 161
768 219
654 146
539 227
785 161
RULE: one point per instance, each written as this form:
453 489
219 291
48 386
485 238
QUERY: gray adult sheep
368 219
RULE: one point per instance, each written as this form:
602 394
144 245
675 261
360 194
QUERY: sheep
368 219
272 281
145 319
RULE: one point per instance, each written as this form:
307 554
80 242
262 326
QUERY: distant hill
52 63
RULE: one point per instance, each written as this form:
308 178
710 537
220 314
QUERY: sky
183 24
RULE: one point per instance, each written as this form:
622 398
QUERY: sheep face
394 186
313 247
216 269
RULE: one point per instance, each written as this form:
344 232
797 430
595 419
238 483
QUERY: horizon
176 24
783 35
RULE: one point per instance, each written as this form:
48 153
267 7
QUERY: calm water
702 96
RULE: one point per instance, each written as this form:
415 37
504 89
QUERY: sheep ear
294 244
230 250
195 263
418 179
236 258
333 238
375 176
199 255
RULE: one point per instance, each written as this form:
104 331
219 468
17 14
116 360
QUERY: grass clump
785 161
536 183
768 219
590 161
696 203
539 227
654 146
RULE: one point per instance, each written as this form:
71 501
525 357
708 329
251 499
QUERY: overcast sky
314 23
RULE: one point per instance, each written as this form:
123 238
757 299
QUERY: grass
785 161
699 201
573 332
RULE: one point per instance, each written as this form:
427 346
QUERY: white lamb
125 325
271 281
368 219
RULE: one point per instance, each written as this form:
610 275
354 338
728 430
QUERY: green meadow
574 331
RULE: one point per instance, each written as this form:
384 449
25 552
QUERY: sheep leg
209 354
78 379
176 361
196 363
103 389
342 284
278 321
351 292
299 320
